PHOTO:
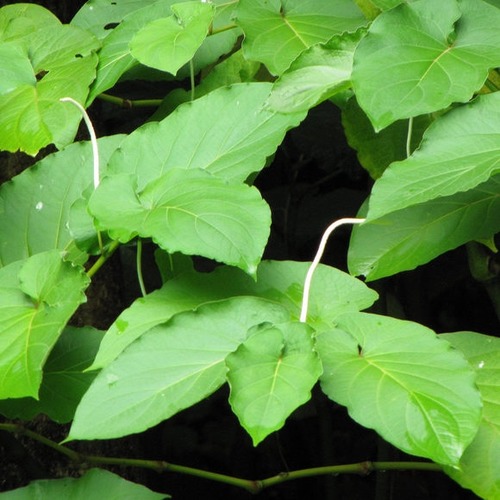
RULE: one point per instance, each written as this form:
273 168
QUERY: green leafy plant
417 87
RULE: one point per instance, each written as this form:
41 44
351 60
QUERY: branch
252 486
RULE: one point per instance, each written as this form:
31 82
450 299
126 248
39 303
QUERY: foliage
415 80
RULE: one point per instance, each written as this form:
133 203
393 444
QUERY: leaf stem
317 258
408 136
191 78
253 486
139 267
129 103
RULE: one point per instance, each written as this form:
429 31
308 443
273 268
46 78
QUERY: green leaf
22 19
233 148
50 63
478 469
401 380
91 485
317 74
169 43
270 375
189 211
386 4
459 151
64 382
100 17
277 32
35 205
333 292
37 298
169 368
422 56
377 150
407 238
115 57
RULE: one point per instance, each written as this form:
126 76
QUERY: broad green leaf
100 17
407 238
317 74
50 63
276 31
116 60
115 57
188 211
459 151
64 382
22 19
401 380
227 132
478 468
387 4
376 151
333 292
91 485
271 374
170 42
422 56
169 368
37 298
35 205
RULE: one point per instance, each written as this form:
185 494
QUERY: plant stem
408 137
191 78
317 258
103 258
129 103
253 486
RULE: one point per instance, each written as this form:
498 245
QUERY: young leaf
169 43
36 204
232 147
332 293
422 56
270 375
317 74
91 485
64 382
407 238
478 469
37 298
169 368
188 211
276 32
401 380
459 151
31 115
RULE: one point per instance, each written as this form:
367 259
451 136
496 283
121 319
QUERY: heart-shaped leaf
187 211
169 43
270 375
170 368
400 379
37 71
277 32
422 56
37 298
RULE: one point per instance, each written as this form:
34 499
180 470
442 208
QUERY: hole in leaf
40 75
110 26
78 56
360 350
